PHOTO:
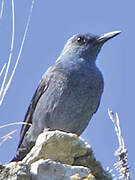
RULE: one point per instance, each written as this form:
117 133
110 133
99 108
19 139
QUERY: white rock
50 170
15 171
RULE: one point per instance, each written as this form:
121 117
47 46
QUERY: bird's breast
70 99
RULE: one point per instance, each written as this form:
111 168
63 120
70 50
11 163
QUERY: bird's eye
81 40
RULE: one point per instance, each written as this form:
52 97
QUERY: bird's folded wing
28 117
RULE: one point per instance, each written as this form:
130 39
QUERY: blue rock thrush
68 94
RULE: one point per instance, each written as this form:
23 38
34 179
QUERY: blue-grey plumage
69 92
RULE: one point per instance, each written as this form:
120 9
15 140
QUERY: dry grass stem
122 164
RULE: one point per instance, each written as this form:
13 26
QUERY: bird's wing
28 117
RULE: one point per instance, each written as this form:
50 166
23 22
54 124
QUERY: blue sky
52 23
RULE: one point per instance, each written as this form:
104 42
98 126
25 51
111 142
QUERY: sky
52 23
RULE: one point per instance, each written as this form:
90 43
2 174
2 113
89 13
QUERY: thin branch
2 69
6 137
26 29
2 90
122 165
18 58
1 9
15 123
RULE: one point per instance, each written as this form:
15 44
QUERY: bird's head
87 46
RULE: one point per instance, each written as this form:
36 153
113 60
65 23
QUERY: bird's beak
105 37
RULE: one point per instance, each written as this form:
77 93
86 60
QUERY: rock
15 171
50 170
56 155
59 146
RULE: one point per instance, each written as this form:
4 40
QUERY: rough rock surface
48 169
56 156
15 171
59 146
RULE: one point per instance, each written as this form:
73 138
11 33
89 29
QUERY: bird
69 92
